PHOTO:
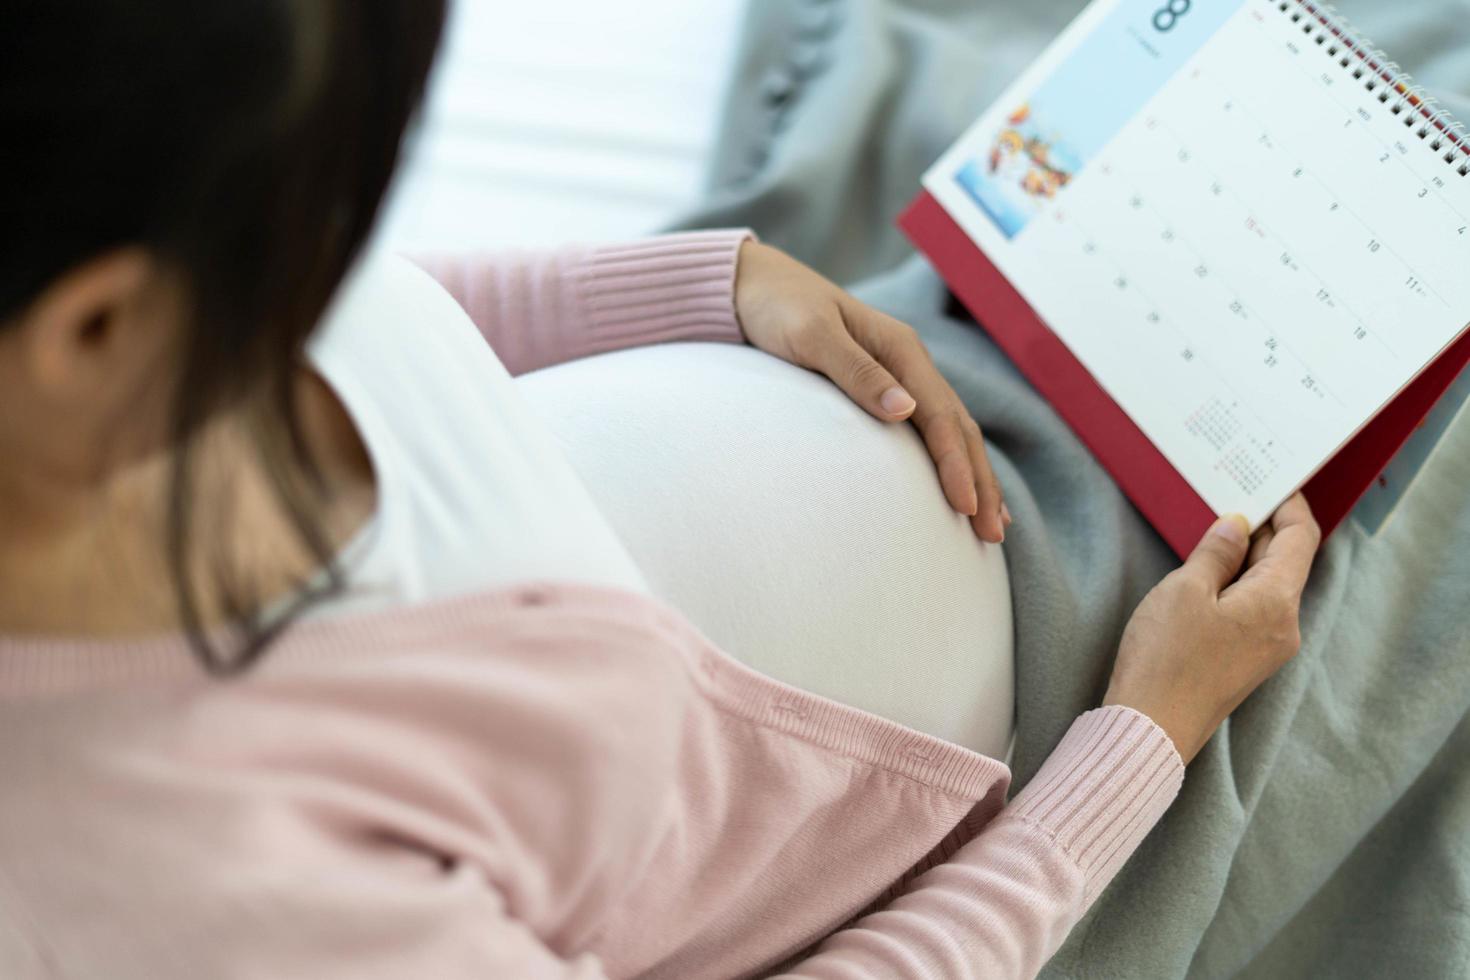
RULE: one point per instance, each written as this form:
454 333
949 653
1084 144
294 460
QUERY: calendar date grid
1289 256
1376 242
1156 318
1276 346
1292 256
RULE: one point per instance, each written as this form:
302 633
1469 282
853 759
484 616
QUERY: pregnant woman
329 650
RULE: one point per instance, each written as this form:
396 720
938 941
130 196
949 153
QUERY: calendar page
1248 229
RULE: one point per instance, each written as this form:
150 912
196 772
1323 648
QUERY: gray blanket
1325 831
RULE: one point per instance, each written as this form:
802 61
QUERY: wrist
1186 734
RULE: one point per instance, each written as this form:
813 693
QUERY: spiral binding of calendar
1394 87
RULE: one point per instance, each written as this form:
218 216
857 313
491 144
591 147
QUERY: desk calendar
1229 241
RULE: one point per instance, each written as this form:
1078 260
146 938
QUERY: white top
473 492
801 535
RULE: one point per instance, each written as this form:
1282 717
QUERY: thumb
1221 552
866 381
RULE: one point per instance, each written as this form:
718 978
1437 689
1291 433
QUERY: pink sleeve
539 309
1004 903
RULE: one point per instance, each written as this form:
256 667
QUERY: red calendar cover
1107 204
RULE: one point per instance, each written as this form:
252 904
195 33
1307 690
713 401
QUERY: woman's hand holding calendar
788 310
1203 640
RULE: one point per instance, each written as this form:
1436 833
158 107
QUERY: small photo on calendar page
1041 145
1024 168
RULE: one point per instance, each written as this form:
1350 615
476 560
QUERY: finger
992 517
1287 562
944 437
1260 544
1218 556
861 377
939 415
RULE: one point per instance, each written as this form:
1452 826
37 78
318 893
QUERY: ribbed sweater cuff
1101 791
674 287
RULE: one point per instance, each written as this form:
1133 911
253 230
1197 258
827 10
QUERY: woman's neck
92 560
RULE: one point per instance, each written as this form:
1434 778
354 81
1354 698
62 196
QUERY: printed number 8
1167 16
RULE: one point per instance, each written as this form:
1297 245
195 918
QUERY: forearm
1006 901
539 309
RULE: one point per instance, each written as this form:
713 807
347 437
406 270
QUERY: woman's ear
87 369
92 328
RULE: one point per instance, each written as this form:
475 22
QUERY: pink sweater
549 781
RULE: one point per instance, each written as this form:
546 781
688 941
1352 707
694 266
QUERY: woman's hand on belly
789 310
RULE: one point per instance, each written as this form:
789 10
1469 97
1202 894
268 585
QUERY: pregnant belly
801 535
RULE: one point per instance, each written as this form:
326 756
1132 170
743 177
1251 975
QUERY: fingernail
1233 528
984 533
1005 513
896 401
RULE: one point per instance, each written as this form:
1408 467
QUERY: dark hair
247 144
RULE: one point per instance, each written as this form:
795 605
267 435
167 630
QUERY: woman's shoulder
393 319
473 490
